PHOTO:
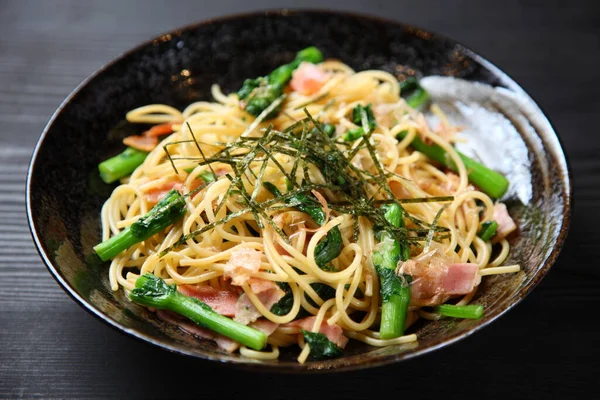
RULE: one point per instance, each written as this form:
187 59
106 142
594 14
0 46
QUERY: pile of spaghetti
314 206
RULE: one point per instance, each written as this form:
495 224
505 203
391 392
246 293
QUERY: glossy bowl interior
505 127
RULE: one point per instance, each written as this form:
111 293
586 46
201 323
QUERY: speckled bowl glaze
65 195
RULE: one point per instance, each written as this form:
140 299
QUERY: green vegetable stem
471 311
152 291
488 230
121 165
490 182
257 94
412 91
395 290
362 116
168 211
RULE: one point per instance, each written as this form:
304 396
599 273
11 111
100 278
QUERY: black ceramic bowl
64 193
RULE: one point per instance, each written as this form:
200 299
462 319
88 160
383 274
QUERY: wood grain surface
546 347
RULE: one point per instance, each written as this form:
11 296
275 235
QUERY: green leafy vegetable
329 130
409 84
331 246
324 291
320 346
285 304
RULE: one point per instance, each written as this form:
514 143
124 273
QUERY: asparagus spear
121 165
490 182
168 211
471 311
152 291
257 94
395 290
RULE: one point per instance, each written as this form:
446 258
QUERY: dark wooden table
546 347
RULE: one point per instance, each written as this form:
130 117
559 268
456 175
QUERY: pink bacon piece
268 294
222 301
334 332
308 79
506 225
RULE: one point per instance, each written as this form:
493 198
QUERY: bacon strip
160 129
460 279
242 263
308 79
434 282
333 332
142 143
506 225
156 194
265 326
222 301
148 140
268 294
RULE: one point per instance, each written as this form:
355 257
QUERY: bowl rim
551 142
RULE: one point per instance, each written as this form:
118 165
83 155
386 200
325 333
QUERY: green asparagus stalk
257 94
395 290
471 311
121 165
490 182
152 291
412 91
168 211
